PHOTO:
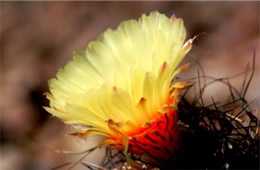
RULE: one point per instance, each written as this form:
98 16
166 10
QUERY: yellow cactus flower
121 87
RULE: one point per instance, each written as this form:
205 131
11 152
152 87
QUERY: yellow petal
124 76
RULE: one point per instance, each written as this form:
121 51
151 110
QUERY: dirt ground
37 38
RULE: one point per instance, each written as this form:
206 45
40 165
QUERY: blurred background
37 38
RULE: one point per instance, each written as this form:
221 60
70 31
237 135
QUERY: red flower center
158 141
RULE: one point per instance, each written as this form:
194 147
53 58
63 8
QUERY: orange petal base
159 141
